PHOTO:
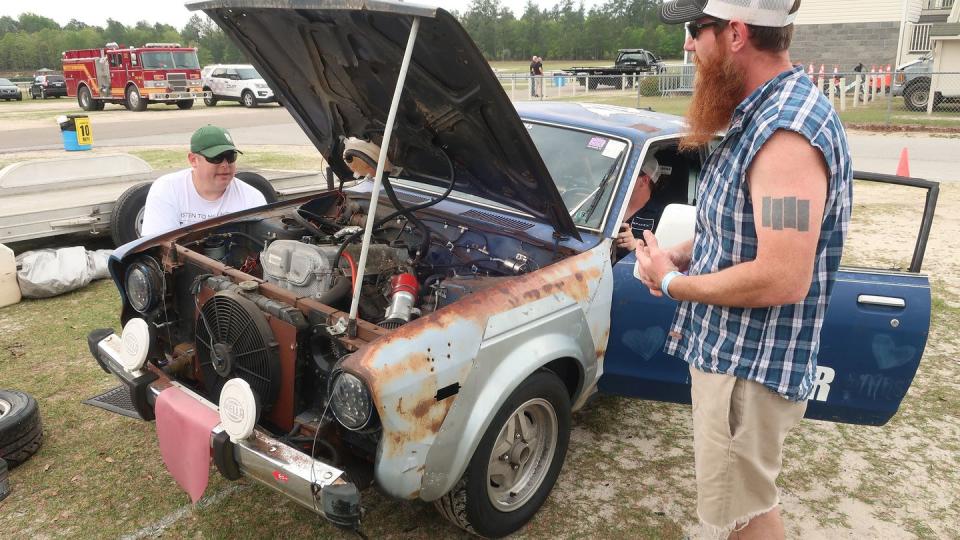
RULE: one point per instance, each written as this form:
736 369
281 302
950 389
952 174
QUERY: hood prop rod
381 161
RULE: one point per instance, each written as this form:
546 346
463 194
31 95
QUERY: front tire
516 463
185 104
126 220
21 431
209 101
916 97
259 183
135 101
248 99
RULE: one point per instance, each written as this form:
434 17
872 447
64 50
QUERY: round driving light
350 401
239 409
142 286
134 344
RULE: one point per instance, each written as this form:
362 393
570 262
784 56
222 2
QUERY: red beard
717 90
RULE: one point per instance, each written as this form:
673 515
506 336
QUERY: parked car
44 86
490 306
630 63
9 91
235 82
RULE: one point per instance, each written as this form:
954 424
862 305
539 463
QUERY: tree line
565 31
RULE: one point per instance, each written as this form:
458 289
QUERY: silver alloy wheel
5 407
248 99
522 454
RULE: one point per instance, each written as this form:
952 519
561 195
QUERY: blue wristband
665 283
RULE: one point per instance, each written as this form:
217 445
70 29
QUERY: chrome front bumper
312 483
177 96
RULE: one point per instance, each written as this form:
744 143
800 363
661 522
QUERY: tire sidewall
485 518
250 101
260 184
123 219
21 408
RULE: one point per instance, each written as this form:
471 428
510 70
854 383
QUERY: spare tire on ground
21 431
4 483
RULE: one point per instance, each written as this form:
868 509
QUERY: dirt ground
629 469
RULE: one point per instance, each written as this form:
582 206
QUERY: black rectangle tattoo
777 214
790 213
765 216
803 216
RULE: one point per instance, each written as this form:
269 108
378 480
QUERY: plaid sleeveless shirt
775 346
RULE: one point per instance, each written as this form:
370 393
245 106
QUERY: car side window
218 72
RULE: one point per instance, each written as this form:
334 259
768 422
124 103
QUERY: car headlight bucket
142 286
350 401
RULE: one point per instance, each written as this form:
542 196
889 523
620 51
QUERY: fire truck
134 76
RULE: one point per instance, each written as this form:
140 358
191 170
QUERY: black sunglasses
695 28
229 155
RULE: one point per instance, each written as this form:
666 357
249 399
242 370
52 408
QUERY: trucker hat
651 168
772 13
211 141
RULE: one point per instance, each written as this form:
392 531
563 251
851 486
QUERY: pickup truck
629 63
912 81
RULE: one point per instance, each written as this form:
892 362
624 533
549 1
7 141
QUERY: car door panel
874 334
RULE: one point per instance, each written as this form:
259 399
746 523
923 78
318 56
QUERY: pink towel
183 430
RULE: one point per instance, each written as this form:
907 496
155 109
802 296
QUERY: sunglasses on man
229 155
694 28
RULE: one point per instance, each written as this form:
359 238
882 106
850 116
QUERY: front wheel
135 101
184 104
516 463
916 97
209 101
248 99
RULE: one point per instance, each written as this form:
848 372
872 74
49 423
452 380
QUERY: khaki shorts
738 432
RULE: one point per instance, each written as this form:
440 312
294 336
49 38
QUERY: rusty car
431 328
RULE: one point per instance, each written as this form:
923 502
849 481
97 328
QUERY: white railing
920 40
938 4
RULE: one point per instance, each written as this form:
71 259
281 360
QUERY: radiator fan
235 340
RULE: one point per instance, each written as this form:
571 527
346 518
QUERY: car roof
234 66
637 125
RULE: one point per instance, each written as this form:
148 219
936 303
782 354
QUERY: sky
173 12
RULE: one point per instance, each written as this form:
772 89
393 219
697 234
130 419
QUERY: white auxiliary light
134 344
238 409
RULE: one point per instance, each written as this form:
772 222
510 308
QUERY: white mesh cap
651 167
772 13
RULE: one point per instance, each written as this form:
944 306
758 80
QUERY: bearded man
773 205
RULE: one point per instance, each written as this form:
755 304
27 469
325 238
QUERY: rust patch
645 128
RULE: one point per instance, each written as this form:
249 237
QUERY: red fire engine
134 77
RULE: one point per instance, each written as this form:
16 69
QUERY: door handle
885 301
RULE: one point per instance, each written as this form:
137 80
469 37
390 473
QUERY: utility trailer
106 193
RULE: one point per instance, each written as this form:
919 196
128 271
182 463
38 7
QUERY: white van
235 82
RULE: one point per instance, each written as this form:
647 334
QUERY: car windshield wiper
594 198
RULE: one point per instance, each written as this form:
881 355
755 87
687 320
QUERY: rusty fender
438 381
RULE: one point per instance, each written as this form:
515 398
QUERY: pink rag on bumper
183 430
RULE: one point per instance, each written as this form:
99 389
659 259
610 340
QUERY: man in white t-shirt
206 190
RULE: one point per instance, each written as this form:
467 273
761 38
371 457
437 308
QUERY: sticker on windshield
613 149
597 143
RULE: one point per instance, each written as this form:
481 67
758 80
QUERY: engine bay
214 317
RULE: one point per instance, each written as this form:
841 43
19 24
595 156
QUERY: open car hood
335 63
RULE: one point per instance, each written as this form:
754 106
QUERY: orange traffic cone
903 168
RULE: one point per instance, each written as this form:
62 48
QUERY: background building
881 32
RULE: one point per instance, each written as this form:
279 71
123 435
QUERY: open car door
873 336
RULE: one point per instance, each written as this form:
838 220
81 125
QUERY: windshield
584 167
248 73
170 60
633 57
54 78
5 82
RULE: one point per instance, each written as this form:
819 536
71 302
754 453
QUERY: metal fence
861 98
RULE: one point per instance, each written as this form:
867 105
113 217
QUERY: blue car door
873 337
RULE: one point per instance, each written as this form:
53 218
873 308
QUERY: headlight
350 401
261 85
143 286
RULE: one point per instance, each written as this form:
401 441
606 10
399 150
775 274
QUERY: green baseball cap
211 141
